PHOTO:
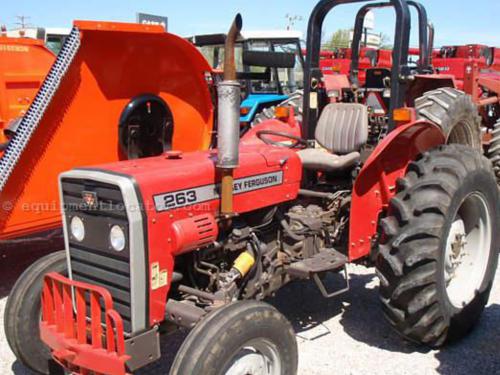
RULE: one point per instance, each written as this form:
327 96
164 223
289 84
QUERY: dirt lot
345 335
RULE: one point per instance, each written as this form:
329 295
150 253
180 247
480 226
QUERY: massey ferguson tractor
199 239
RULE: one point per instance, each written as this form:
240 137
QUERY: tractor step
328 260
324 261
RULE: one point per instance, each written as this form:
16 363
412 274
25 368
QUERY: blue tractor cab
254 103
269 63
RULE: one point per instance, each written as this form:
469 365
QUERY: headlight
77 228
117 238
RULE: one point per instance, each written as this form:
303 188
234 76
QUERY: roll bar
424 38
312 75
432 34
424 60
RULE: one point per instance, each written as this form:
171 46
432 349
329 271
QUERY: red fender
376 183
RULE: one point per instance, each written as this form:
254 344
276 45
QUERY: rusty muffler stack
228 133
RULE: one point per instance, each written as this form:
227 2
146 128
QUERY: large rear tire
494 150
22 314
455 113
439 248
246 337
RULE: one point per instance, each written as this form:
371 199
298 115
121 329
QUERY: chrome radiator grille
92 260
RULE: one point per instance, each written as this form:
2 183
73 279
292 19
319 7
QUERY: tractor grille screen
93 260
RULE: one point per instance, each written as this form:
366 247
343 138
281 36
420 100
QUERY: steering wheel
261 134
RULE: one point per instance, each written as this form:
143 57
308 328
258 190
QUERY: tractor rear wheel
455 113
439 249
247 337
22 314
494 150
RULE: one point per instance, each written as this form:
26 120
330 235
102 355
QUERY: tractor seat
341 132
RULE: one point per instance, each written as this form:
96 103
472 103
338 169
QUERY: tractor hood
277 171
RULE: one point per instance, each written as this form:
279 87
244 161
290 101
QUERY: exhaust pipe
228 132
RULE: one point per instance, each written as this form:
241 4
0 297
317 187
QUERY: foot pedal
325 261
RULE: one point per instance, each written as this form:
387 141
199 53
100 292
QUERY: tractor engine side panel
176 190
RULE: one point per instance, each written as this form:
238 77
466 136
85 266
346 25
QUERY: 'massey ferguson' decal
188 197
443 69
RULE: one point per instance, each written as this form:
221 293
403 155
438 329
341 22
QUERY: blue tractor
269 64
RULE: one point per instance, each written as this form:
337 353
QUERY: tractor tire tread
408 255
448 107
208 340
494 150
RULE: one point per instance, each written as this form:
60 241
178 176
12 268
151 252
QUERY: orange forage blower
24 63
116 91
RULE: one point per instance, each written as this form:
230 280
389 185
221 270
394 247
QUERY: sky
456 21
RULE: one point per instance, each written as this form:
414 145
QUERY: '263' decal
182 198
179 199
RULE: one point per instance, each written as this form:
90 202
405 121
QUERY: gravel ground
344 335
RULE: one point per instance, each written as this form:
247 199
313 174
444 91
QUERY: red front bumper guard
80 344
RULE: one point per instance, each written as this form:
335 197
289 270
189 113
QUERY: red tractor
200 239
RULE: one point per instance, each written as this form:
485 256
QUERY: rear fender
376 183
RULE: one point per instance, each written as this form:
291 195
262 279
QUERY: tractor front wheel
23 313
245 337
439 248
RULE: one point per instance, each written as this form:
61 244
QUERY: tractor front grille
93 260
112 274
